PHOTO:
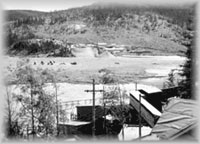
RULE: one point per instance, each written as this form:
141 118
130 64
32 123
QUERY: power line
93 107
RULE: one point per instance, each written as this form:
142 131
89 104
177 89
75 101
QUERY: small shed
84 113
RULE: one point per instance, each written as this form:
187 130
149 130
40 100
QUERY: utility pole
56 96
93 106
136 86
122 114
140 117
104 112
140 123
57 110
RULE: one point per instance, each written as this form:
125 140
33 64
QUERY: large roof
179 116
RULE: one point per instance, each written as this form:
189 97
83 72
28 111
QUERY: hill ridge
135 26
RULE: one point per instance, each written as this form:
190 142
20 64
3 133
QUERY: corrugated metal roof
178 117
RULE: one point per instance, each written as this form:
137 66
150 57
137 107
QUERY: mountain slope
147 28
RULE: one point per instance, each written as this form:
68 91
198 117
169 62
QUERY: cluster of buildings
148 114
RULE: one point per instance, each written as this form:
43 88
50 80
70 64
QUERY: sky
44 5
51 5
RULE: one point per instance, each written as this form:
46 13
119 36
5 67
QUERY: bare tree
12 127
37 107
114 97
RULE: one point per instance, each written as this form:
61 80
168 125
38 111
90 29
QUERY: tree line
26 47
177 15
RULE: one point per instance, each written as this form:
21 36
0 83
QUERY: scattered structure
73 63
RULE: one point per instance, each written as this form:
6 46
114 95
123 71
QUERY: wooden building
84 113
148 112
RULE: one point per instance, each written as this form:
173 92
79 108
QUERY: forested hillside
159 28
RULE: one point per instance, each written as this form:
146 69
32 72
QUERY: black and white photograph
99 71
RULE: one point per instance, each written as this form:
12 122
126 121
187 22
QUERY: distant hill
147 27
14 15
178 14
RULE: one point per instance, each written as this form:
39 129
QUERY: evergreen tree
186 84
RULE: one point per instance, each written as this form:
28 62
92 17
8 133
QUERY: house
157 96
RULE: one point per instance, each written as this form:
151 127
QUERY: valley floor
125 69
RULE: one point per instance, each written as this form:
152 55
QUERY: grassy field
82 70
